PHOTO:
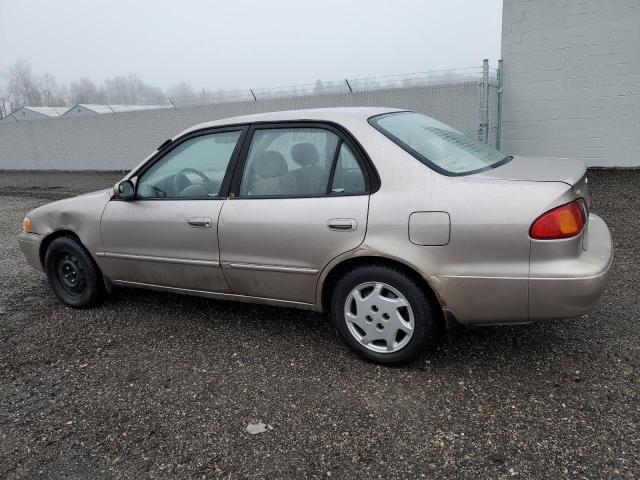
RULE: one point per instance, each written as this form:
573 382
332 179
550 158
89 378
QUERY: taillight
565 221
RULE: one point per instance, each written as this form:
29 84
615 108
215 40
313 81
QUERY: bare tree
181 90
153 94
3 100
84 91
144 93
203 98
47 86
22 88
116 90
54 94
130 89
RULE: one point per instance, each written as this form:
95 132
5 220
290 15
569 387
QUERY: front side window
289 162
193 169
437 145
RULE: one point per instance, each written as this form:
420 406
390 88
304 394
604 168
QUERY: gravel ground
154 385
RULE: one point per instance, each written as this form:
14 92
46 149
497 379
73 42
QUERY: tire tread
95 285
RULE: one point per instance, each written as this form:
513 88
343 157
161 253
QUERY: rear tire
72 274
384 315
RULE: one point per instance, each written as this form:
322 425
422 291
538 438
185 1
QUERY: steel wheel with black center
72 274
383 314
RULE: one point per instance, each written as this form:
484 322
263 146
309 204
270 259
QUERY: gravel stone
255 428
153 385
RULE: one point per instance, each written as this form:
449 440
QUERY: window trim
334 165
371 178
166 148
373 121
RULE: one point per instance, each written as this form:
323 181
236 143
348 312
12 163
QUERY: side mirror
125 190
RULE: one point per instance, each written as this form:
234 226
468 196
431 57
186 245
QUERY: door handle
199 222
342 224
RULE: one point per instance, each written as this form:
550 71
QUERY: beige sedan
393 222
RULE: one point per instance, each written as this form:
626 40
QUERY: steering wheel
206 182
197 172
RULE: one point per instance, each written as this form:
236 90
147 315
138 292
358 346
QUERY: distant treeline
19 87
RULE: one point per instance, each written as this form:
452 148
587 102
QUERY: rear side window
437 145
299 162
348 177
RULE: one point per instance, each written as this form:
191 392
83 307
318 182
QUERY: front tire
72 274
383 314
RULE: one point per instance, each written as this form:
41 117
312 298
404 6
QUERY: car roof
337 115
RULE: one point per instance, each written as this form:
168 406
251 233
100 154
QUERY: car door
299 199
167 234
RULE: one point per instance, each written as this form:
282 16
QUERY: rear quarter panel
481 275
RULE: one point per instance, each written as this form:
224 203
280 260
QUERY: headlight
26 225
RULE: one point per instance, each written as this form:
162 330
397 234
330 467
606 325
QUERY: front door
302 199
167 234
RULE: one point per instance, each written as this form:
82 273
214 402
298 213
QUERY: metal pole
499 129
171 101
348 85
485 100
480 108
254 95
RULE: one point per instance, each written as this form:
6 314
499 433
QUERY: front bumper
30 246
572 287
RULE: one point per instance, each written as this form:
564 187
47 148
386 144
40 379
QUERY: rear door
167 234
299 198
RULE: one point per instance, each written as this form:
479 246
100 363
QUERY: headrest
305 154
270 164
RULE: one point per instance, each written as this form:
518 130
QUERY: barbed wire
449 76
352 85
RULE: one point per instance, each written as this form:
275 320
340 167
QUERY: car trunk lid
544 169
538 169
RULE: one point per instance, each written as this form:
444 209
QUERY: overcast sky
241 44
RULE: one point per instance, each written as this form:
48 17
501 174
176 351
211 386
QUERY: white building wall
572 80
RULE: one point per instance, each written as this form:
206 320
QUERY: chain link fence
466 99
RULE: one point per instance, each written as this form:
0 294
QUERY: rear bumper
573 287
566 279
30 246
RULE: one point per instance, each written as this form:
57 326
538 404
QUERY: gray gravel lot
154 385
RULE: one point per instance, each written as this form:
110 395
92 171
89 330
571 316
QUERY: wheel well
340 269
44 245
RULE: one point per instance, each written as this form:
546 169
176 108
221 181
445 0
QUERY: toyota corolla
392 222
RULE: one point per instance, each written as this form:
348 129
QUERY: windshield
437 145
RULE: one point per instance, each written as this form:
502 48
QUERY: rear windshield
437 145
